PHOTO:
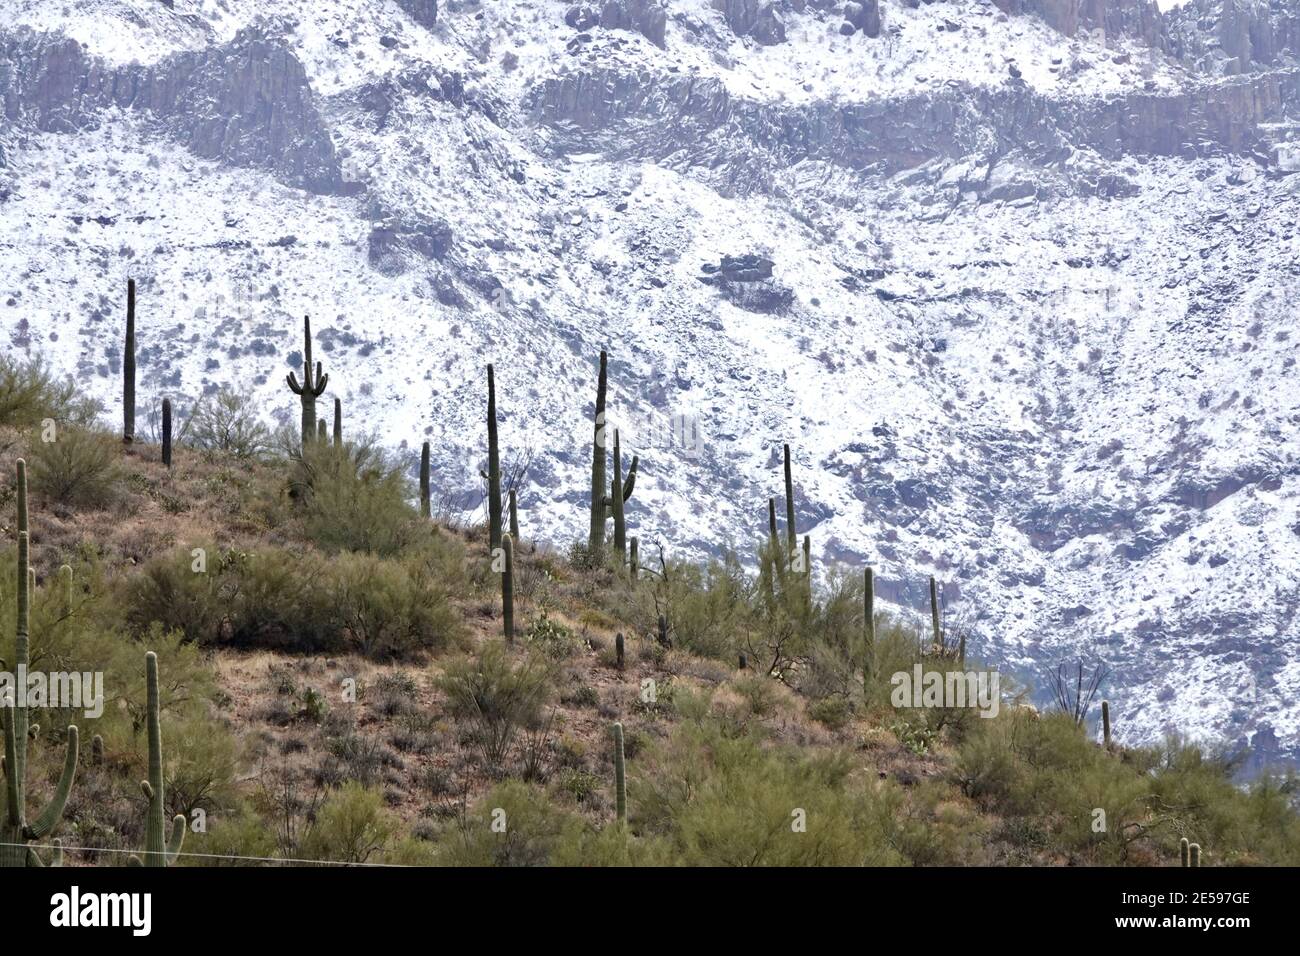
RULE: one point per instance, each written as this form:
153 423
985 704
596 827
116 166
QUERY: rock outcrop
646 17
753 18
423 12
1140 19
245 103
1235 36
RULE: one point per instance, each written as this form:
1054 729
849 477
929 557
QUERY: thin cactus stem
514 515
791 538
1184 851
338 422
634 556
616 503
869 624
620 777
424 480
596 533
322 432
167 432
1105 723
508 587
936 633
618 649
494 466
128 367
1194 854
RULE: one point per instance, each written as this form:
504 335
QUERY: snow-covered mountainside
1019 290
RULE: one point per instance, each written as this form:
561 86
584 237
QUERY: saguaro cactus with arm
311 388
16 832
159 850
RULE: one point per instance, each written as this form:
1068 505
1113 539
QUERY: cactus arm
177 838
631 478
33 860
321 381
294 387
54 811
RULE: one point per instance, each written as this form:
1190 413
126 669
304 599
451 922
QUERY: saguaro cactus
167 432
338 422
322 432
1194 854
620 777
312 387
634 556
869 623
616 503
936 633
508 587
1105 723
424 480
159 850
514 515
128 367
618 649
790 535
16 832
494 467
1185 852
596 534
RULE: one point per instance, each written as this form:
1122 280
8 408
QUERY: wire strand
208 856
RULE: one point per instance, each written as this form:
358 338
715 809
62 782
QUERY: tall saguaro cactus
16 832
596 534
869 621
424 480
508 587
514 515
1105 723
338 423
494 467
311 388
616 503
159 849
128 367
167 432
790 535
934 615
634 556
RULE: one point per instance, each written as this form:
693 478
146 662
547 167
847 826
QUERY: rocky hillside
1014 279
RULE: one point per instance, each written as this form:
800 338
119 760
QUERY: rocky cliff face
1236 36
247 102
1021 295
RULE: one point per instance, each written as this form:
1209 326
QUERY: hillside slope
1028 324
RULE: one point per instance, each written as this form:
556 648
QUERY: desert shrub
550 637
496 697
538 832
833 712
235 838
724 800
79 468
351 826
226 421
31 392
353 499
389 608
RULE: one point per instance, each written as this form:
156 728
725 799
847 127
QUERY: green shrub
387 608
352 826
353 499
496 697
79 468
30 393
227 422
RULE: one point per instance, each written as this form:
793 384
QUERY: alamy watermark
59 690
978 690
